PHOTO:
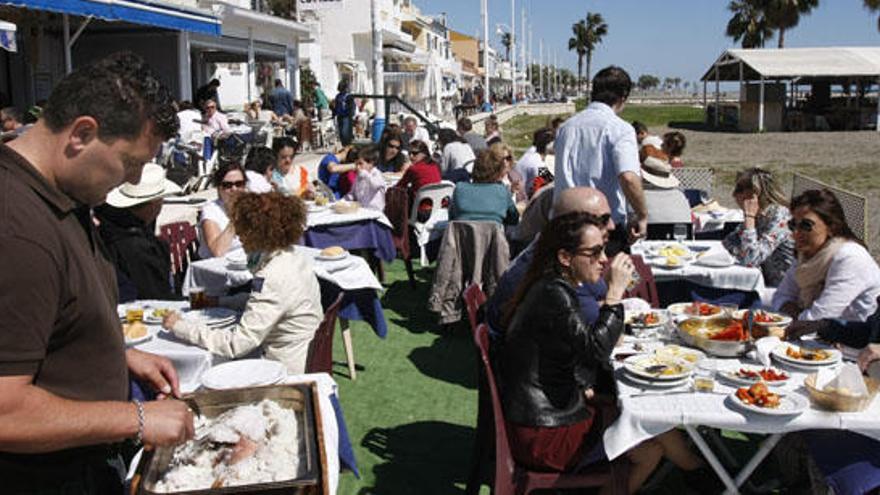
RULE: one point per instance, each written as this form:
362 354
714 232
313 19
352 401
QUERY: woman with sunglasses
834 276
391 156
763 239
486 198
422 172
217 232
550 361
283 311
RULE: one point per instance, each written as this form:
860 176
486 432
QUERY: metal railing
431 126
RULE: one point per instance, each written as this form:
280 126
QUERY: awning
793 63
7 36
146 12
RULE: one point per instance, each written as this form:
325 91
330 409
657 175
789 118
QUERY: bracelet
139 439
750 216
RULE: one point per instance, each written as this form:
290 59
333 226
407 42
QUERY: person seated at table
422 172
369 187
217 233
532 160
763 239
288 177
666 203
412 131
338 170
549 359
834 275
673 145
258 167
492 132
215 121
127 227
856 334
391 157
456 157
256 113
486 198
283 310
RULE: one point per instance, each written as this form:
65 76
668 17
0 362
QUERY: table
363 229
648 413
734 277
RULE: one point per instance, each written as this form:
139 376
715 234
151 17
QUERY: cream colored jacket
281 315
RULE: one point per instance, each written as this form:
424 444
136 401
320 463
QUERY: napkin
846 380
237 278
763 348
716 258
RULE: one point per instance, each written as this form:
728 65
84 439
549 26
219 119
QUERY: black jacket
549 356
143 263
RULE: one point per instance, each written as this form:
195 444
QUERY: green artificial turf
657 115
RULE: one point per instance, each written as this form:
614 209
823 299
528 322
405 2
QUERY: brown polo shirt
58 318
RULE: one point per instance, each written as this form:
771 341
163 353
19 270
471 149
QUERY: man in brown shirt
63 365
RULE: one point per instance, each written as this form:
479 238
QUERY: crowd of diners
79 237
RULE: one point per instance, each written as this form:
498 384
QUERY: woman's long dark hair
563 232
397 162
826 206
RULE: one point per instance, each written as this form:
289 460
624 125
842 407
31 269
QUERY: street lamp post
512 51
485 10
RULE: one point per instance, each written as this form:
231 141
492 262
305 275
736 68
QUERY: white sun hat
153 185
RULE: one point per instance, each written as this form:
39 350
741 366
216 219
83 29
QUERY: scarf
810 273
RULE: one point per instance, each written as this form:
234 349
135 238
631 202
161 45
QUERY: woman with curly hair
283 310
486 198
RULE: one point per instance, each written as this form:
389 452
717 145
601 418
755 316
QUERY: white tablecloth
212 274
646 413
732 277
329 217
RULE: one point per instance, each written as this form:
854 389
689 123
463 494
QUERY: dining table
364 229
647 410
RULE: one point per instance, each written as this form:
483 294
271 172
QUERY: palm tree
785 14
873 6
596 30
578 43
749 23
506 41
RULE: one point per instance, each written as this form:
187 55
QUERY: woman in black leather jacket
550 360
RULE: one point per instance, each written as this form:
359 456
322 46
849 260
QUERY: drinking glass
197 298
134 314
680 232
728 309
704 375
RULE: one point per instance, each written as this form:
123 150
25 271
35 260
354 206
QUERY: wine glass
679 232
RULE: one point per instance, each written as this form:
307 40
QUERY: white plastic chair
436 223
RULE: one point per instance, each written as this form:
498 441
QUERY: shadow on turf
428 457
411 305
450 358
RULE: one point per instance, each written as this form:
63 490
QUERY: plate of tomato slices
646 319
759 399
749 375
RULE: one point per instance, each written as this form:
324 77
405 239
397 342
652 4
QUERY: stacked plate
211 317
244 373
806 359
649 370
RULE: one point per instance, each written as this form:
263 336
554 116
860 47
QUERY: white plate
149 319
338 257
661 319
318 209
680 309
779 354
784 320
636 366
789 405
244 373
140 340
733 377
655 383
661 263
211 316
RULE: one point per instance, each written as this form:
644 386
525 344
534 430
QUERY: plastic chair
512 479
320 356
183 245
473 299
439 194
396 209
646 288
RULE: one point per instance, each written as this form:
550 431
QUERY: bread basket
343 207
835 401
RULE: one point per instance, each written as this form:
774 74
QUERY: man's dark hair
185 105
542 138
11 113
446 136
283 142
260 159
611 86
465 124
639 127
278 83
214 82
369 153
120 92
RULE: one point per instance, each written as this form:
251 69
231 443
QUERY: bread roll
332 251
134 330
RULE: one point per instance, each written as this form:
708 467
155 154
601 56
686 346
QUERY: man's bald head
582 199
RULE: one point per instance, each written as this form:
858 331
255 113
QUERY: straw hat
153 185
658 172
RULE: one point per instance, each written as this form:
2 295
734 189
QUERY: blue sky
671 38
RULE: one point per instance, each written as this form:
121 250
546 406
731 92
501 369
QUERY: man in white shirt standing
532 161
596 148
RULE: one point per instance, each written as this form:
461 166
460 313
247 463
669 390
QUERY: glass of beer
197 298
134 314
704 376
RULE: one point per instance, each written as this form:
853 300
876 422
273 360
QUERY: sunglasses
804 225
593 252
508 158
604 219
230 184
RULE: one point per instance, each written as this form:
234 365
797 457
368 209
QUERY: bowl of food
694 309
345 207
721 336
840 399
